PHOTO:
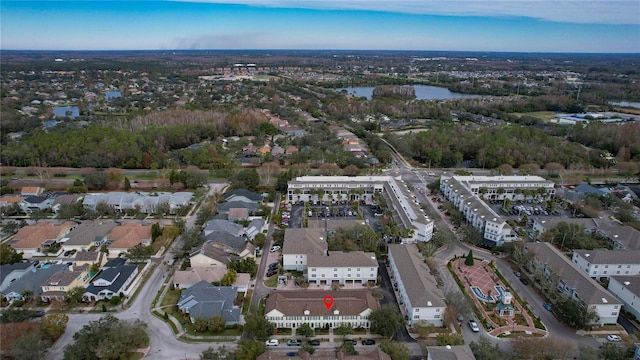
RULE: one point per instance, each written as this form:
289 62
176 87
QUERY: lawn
272 281
171 297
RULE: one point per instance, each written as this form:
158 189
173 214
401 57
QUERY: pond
423 92
630 104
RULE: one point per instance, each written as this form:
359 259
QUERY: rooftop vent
627 283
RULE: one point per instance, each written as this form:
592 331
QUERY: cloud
565 11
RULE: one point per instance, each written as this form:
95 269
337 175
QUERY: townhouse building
601 264
573 282
292 308
319 189
467 194
419 293
299 244
355 267
627 289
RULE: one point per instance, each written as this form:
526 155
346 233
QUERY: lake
625 104
423 92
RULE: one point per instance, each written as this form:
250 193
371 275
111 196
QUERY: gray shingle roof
225 206
296 302
631 283
244 193
419 284
87 232
222 225
116 275
33 279
602 256
237 243
205 300
586 288
460 352
304 241
341 259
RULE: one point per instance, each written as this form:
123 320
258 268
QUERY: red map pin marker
328 301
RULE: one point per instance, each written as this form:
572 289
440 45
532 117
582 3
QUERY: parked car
547 306
294 342
272 342
517 273
368 342
274 249
292 353
524 281
39 313
314 342
350 341
270 273
273 266
614 338
474 326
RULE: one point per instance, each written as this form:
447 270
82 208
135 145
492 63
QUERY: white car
272 342
474 326
614 338
274 249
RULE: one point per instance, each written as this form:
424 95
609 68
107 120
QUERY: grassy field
171 298
542 115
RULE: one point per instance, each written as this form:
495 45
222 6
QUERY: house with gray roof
12 272
111 282
422 298
223 208
571 281
145 202
299 244
602 263
31 281
204 300
243 195
33 203
255 227
219 225
354 267
87 234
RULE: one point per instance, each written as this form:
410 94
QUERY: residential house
223 208
277 151
141 201
65 199
32 203
219 225
458 352
9 200
237 214
300 243
292 130
56 287
602 263
36 240
191 276
31 191
204 300
31 281
71 112
375 354
292 308
423 300
124 237
256 226
12 272
232 244
572 282
355 267
111 282
290 150
627 289
88 234
243 195
210 255
89 258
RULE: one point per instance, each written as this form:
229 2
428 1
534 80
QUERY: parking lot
338 211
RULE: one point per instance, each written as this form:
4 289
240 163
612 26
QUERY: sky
458 25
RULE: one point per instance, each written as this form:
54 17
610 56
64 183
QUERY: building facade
356 267
602 264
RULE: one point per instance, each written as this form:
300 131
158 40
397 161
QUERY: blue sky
501 25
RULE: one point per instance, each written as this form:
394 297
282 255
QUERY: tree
397 350
96 180
308 348
459 302
574 314
54 325
610 351
247 265
110 337
444 339
246 178
8 255
213 354
217 324
229 278
268 170
258 326
586 352
386 320
469 260
344 329
16 315
347 348
305 330
249 350
127 184
139 253
540 349
75 295
78 187
156 231
485 350
259 240
30 347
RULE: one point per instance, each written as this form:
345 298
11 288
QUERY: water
423 92
626 104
